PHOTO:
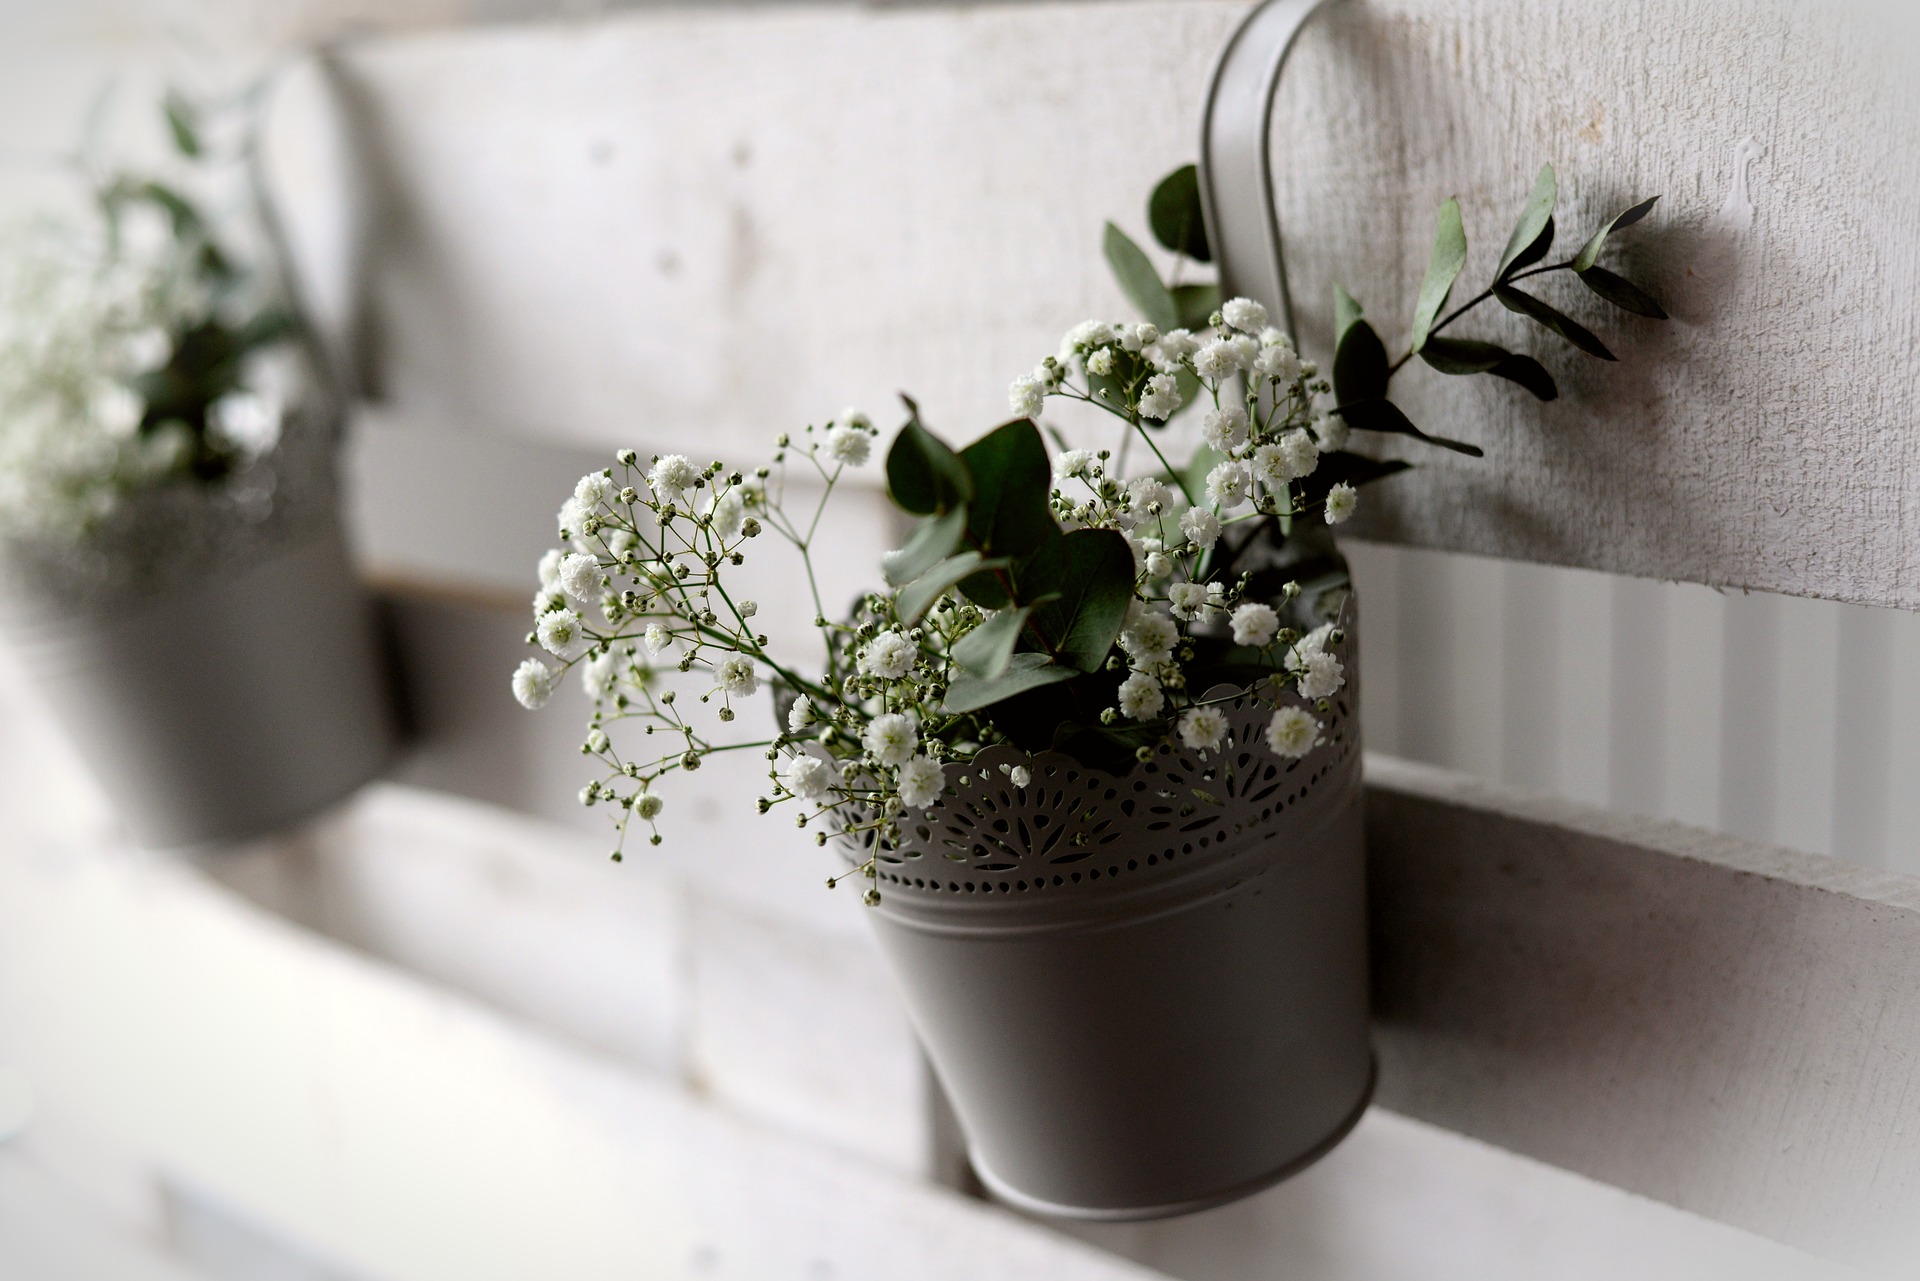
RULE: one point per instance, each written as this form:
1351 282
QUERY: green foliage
1466 356
1622 293
1193 304
1080 585
987 649
182 124
932 543
1590 253
1444 265
1557 321
1023 672
1178 221
918 596
1009 471
1533 234
923 475
1139 281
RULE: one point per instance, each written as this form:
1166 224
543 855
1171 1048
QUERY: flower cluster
640 592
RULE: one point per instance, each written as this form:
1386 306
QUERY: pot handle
1236 167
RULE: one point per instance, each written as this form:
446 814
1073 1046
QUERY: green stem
1466 307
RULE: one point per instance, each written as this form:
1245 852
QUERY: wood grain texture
686 228
1726 1027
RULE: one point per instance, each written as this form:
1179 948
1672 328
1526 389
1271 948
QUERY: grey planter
1147 994
228 705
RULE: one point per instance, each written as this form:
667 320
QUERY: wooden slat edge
1730 1028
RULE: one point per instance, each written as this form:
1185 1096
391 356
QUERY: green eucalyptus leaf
1565 326
1534 221
1139 281
1175 215
1383 415
1590 252
1008 515
1444 264
1529 373
1195 304
1360 366
1622 293
932 542
1534 252
1346 313
1462 355
923 475
1091 570
970 693
181 124
918 596
987 649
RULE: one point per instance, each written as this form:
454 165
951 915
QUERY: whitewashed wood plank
1727 1027
1691 734
1530 706
1863 734
711 226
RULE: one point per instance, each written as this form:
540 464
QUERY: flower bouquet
1092 751
171 562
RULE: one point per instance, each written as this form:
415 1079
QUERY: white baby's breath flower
921 782
1341 500
1217 360
657 637
545 601
1151 639
533 684
1201 527
1229 485
670 477
1246 349
1271 337
748 608
1100 362
1330 432
1027 396
736 676
1173 347
891 739
1191 602
598 675
1141 337
572 519
849 446
1158 566
580 577
1244 314
593 489
560 634
1318 674
1301 454
889 656
729 513
1292 732
1140 697
807 777
1277 363
801 714
1019 776
550 569
1314 641
1225 429
1203 729
1073 463
1144 493
648 806
247 419
1161 398
1254 624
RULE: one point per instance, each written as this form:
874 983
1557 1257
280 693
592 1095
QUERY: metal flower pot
227 705
1145 994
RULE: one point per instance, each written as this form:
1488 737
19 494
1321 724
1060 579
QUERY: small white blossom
1225 429
1140 697
594 488
1216 361
1158 566
1341 500
1027 396
801 714
1019 776
559 633
1330 432
580 577
1100 363
1141 337
545 600
1192 602
670 477
1072 463
849 446
598 675
891 739
748 608
1254 624
1318 675
1151 639
889 656
1246 349
550 569
1292 732
1277 363
728 514
658 637
921 782
1174 346
1244 314
1161 398
247 419
1229 485
533 684
1086 334
572 519
1302 455
1271 337
807 777
1201 527
648 806
1314 641
1203 729
736 676
1143 492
